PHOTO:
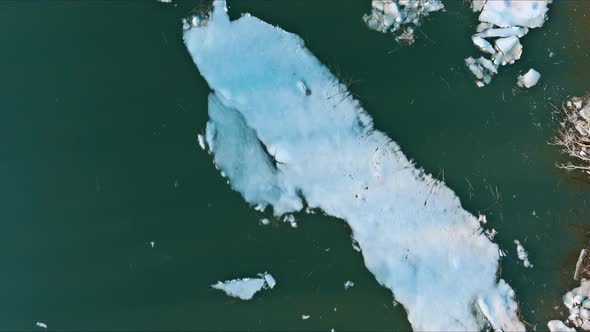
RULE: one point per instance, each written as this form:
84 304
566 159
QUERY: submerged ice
502 24
284 147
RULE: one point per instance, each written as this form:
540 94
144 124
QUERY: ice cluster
578 303
400 16
245 288
502 24
289 136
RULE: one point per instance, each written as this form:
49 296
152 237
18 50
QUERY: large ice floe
287 134
502 24
400 16
245 288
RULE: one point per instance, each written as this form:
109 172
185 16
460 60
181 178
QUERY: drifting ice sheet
278 145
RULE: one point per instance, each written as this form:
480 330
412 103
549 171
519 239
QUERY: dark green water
100 109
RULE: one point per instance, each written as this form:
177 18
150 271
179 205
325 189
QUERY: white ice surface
415 237
509 13
530 79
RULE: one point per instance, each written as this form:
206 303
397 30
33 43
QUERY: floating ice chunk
483 44
482 68
245 288
290 219
415 237
508 13
264 221
530 79
559 326
304 317
522 254
164 1
41 325
392 15
510 48
152 244
268 278
201 140
348 284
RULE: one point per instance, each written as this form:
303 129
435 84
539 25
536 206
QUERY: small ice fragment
41 325
164 1
264 221
304 317
522 254
243 289
201 140
355 245
348 284
270 281
152 244
559 326
482 219
530 79
290 219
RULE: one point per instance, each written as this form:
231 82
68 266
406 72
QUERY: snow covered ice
399 16
245 288
508 21
282 147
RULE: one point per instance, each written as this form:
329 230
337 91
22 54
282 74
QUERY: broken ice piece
304 317
348 284
41 325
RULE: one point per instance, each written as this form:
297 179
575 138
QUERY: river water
101 105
